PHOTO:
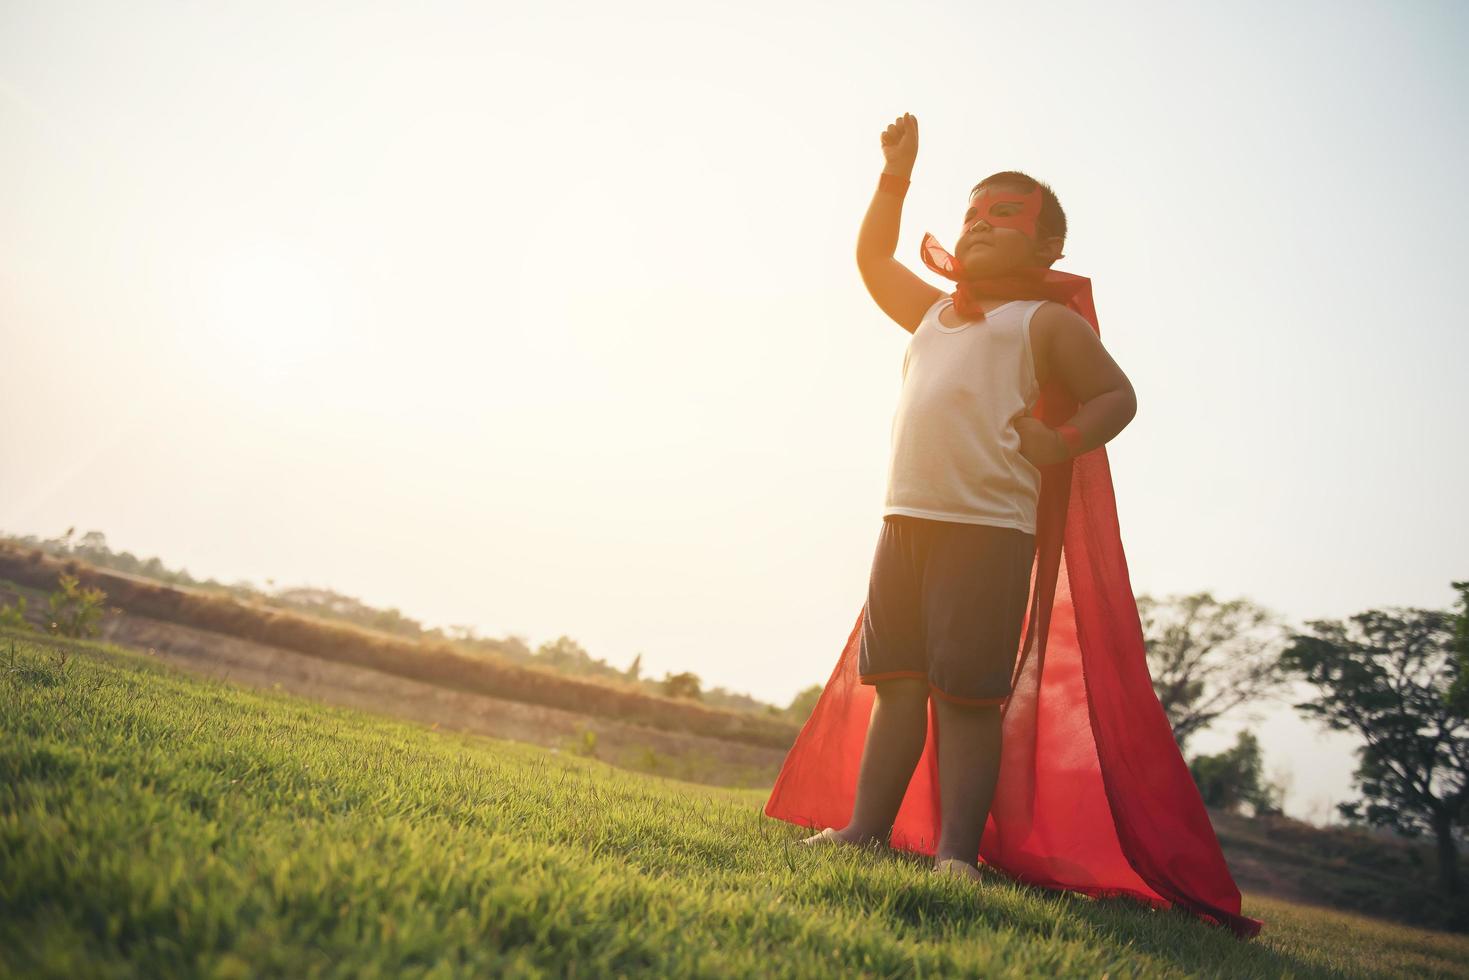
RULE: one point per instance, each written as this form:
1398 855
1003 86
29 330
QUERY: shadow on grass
945 908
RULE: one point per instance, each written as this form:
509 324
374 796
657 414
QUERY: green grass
155 824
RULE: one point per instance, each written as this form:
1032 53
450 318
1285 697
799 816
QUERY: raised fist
900 145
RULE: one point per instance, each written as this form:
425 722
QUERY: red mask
982 204
1033 283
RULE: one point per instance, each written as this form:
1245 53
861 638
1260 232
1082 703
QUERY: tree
804 703
462 633
1384 675
565 654
73 610
93 545
1209 658
1236 776
635 668
685 685
1459 693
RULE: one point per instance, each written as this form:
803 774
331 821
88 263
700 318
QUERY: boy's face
1000 233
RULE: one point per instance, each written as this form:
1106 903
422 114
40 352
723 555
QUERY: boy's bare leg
969 766
896 733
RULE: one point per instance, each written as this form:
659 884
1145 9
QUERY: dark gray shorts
945 603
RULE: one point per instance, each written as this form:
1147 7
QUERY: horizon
271 587
1277 726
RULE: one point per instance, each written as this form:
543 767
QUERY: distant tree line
562 654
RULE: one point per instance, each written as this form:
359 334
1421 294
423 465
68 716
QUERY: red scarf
1093 793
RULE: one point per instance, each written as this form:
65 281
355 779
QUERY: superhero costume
1093 794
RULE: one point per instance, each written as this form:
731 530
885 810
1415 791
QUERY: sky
544 319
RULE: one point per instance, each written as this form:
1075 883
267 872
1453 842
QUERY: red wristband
1071 437
893 184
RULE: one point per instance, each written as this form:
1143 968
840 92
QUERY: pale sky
545 318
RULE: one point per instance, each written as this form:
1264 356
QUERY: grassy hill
152 823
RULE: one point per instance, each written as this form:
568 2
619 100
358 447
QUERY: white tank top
955 452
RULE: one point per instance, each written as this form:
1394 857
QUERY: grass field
154 824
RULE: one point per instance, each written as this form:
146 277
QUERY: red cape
1093 793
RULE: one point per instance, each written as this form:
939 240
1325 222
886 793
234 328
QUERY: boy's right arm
898 292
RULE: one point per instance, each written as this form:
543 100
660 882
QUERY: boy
952 571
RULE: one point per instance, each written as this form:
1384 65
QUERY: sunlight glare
267 316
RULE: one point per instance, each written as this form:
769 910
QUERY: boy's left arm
1074 355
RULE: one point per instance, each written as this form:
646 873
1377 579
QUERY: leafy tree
804 703
1235 777
1459 693
564 653
389 621
74 611
721 697
635 668
1208 657
1384 675
685 685
93 544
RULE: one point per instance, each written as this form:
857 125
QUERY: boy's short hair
1052 220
